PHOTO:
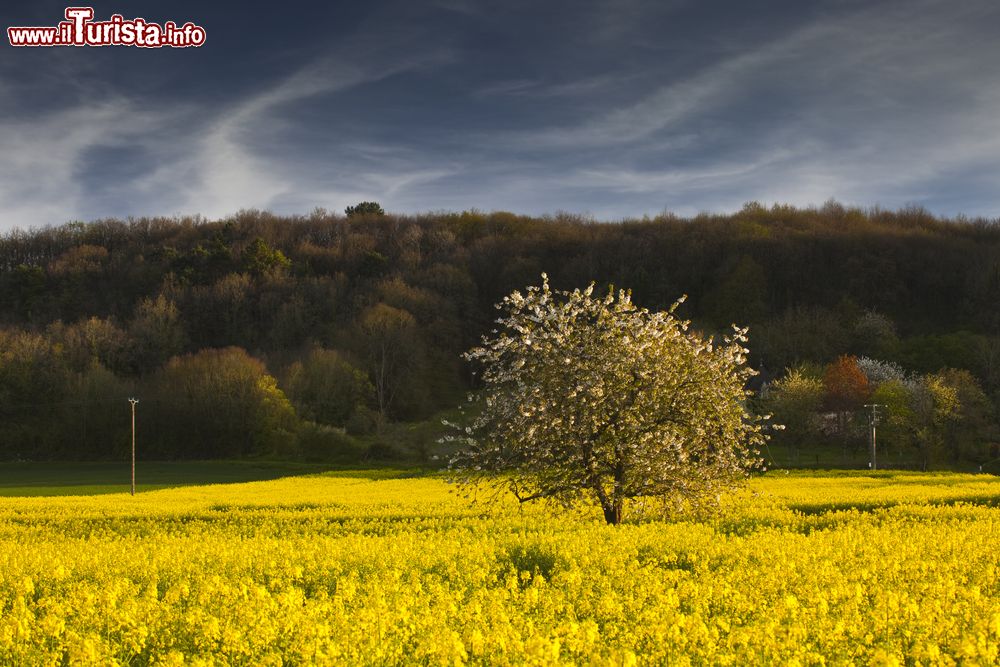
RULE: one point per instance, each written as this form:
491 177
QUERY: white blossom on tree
878 371
595 399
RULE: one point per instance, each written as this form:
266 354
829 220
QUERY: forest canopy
345 325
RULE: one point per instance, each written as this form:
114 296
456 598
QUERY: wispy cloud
877 105
587 85
229 173
467 104
38 176
647 181
208 165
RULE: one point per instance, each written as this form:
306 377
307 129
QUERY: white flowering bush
593 399
878 371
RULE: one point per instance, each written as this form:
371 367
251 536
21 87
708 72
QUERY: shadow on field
813 509
59 479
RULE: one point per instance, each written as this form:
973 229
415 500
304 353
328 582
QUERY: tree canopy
91 313
592 398
364 208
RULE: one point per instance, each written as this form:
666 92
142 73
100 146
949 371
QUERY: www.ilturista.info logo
79 29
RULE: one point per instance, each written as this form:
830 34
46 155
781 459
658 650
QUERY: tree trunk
611 504
613 512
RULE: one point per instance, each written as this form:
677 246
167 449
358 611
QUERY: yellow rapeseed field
355 570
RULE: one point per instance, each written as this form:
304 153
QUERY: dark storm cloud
614 108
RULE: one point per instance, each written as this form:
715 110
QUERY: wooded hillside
269 335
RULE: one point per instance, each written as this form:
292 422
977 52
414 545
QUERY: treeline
313 335
920 419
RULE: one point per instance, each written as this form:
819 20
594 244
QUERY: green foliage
318 443
795 401
929 354
365 208
76 478
935 406
156 334
31 374
383 450
259 259
215 404
205 262
373 264
895 431
800 335
393 352
328 389
362 422
93 340
222 313
25 287
875 336
740 293
814 283
97 416
971 427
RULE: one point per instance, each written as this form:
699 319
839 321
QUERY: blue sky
611 109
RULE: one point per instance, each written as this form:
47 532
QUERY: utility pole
873 423
133 401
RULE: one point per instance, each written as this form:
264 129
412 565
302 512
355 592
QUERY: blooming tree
595 399
878 371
